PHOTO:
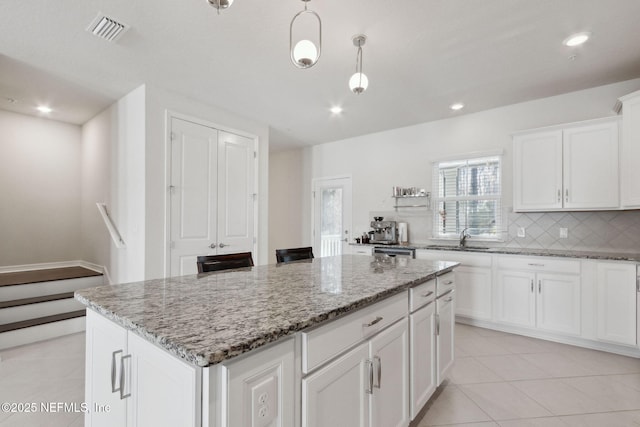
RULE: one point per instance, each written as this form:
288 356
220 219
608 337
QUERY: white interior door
332 216
194 184
235 193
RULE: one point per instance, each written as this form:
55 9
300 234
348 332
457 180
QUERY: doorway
332 215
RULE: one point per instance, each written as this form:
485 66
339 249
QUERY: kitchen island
250 346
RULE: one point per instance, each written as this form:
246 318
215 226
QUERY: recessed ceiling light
336 110
576 39
457 106
44 109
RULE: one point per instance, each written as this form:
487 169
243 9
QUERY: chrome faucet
463 238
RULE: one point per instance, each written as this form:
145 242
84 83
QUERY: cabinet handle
532 285
122 377
378 363
559 195
450 282
449 299
212 246
113 372
369 389
533 264
539 286
222 245
428 294
373 322
566 195
437 324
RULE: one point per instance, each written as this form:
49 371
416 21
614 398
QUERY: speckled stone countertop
208 318
612 256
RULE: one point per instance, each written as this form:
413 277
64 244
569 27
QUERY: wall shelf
426 197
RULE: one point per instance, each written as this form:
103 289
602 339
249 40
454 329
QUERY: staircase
36 305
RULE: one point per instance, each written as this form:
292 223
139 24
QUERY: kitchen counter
612 256
208 318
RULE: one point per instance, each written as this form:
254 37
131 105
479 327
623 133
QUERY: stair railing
113 230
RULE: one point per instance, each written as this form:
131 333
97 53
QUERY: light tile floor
506 380
498 379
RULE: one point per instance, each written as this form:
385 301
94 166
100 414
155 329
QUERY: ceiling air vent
107 28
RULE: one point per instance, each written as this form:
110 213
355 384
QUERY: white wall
39 190
402 157
158 101
113 172
286 208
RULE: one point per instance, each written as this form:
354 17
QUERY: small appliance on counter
403 235
384 232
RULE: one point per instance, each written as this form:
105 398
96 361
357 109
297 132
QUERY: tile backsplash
608 231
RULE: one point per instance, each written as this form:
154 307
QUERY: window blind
468 194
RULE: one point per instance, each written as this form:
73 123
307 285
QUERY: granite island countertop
479 247
208 318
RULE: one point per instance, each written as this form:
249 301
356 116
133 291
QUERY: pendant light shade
220 4
305 53
359 82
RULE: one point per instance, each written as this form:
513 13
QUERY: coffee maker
384 232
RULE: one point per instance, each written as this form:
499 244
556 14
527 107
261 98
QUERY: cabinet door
516 302
235 193
617 303
591 178
537 171
106 344
445 312
473 292
423 357
336 395
165 391
390 355
630 156
558 305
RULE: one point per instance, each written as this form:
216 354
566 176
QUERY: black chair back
293 254
208 263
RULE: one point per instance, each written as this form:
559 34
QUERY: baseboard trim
562 339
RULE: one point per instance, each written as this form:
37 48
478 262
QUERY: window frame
498 198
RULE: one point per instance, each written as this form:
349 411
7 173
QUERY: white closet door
235 193
193 195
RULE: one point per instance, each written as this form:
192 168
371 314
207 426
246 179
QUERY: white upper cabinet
590 155
630 151
574 167
538 171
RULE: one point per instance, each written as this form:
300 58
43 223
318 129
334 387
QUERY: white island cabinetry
142 384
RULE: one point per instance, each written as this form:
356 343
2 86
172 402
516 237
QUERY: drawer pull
373 322
428 294
449 299
533 264
450 282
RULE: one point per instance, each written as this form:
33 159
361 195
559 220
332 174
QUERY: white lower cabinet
422 324
546 301
473 292
335 394
537 297
616 302
142 384
367 386
445 321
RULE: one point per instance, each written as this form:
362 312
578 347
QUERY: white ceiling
420 56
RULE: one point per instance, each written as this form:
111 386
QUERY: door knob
222 245
212 246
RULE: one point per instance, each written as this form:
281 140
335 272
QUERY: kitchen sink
458 248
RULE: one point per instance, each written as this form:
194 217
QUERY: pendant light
305 53
220 4
358 82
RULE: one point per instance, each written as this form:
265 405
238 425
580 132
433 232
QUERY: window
468 194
